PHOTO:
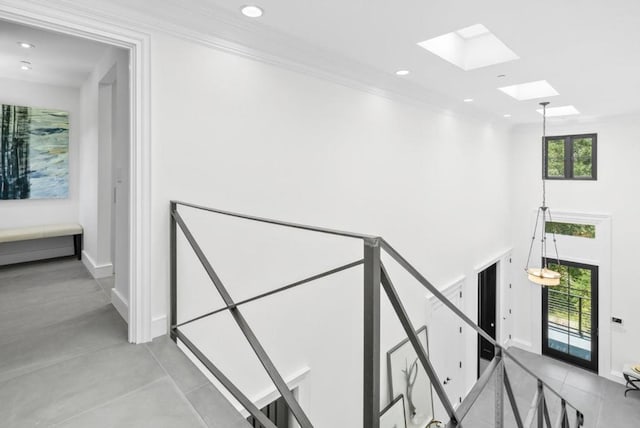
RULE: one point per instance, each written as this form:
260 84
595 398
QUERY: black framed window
571 157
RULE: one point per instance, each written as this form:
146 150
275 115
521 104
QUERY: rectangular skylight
530 91
560 111
470 48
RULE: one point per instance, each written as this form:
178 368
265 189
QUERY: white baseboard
159 326
120 303
616 376
527 346
97 271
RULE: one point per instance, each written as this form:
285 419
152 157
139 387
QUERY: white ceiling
57 59
586 49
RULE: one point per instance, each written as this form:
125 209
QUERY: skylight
530 90
470 48
560 111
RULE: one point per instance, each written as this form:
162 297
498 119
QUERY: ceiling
57 59
586 49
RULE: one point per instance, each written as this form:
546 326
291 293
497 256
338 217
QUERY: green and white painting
34 153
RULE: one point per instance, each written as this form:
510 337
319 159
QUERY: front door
570 315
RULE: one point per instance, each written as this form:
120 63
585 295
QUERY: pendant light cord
543 208
544 154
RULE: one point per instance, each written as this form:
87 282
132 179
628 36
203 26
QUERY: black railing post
580 316
173 275
371 374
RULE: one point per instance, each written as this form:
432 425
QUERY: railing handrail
325 230
380 276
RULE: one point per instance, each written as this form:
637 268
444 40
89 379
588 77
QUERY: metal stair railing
376 278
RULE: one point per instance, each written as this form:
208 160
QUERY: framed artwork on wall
407 377
34 153
393 416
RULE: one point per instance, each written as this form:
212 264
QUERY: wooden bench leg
77 246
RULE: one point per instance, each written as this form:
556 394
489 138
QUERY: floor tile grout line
172 380
61 360
114 399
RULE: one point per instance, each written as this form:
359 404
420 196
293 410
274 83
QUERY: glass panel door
570 315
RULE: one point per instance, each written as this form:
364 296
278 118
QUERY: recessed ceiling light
25 65
530 90
402 72
26 45
470 48
507 115
252 11
468 100
560 111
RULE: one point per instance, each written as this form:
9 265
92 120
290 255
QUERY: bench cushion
39 232
628 370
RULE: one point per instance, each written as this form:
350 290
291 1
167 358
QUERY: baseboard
97 271
158 326
616 376
121 304
524 345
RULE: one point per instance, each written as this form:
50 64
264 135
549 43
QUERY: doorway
487 298
67 21
570 315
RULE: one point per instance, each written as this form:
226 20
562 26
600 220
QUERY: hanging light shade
543 275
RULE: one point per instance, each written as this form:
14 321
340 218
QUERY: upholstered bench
45 231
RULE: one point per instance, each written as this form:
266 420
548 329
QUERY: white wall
612 194
99 158
241 135
29 212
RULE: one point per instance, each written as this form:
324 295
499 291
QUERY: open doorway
487 299
63 22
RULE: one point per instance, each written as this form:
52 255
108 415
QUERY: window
571 157
571 229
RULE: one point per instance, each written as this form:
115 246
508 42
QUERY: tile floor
600 400
65 360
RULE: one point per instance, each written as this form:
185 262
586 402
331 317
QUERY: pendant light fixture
543 275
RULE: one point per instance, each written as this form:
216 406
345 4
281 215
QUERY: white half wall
31 212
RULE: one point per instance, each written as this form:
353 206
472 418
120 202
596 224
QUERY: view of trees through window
570 302
571 157
571 229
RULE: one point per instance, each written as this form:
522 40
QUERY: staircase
376 279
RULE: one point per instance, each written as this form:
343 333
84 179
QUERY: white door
447 347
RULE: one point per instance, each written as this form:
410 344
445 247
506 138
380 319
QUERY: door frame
495 308
81 21
595 345
503 259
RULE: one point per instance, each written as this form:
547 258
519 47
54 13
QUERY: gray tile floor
600 400
65 360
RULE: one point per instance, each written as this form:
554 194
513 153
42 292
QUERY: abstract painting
407 377
34 153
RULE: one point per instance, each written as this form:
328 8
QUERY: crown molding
222 30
